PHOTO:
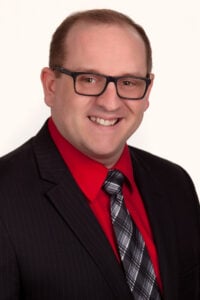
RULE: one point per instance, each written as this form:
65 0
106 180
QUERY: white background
171 125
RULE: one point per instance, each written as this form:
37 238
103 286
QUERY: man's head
58 50
105 45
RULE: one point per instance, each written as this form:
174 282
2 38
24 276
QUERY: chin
107 158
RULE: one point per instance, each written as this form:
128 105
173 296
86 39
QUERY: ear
149 91
48 79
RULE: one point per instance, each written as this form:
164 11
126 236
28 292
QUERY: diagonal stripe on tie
136 262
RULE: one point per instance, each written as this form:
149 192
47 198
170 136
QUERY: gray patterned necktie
137 265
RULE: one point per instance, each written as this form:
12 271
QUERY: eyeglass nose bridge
108 80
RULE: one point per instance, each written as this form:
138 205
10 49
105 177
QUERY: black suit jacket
52 247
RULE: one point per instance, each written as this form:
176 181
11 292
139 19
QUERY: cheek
69 109
143 104
60 109
138 107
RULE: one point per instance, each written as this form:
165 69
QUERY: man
59 231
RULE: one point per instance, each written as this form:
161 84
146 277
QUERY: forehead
101 45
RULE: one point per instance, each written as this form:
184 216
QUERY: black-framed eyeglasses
94 84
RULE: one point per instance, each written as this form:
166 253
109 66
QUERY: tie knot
113 182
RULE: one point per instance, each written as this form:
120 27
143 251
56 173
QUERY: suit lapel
158 209
74 209
72 206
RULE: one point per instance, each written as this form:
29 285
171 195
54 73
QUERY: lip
104 122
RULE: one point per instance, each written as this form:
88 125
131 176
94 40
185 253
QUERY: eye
128 83
87 78
131 83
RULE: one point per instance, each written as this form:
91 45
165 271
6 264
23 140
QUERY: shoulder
154 163
17 170
158 176
16 160
163 171
21 160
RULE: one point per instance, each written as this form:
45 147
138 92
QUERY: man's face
98 126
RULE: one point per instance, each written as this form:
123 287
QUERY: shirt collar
92 174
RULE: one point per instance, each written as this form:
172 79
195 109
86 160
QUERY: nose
109 100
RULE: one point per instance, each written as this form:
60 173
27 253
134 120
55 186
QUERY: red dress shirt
90 178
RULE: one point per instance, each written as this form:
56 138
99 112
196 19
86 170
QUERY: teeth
103 121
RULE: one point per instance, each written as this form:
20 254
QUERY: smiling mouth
104 122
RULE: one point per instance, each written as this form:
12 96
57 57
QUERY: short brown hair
95 16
